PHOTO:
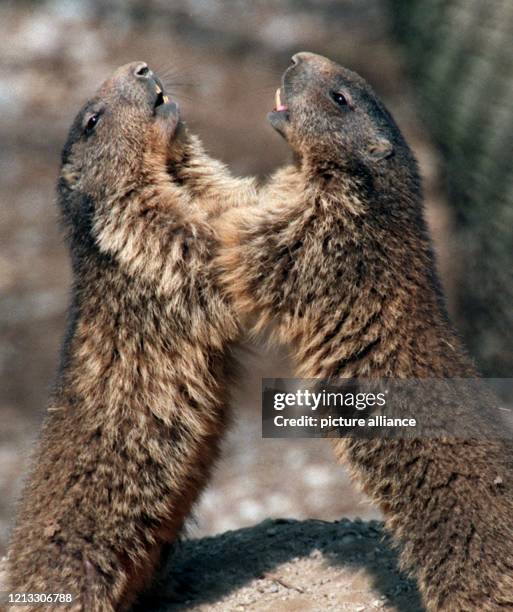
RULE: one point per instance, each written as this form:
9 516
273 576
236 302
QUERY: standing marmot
141 396
337 257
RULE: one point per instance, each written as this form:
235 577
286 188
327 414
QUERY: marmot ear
380 149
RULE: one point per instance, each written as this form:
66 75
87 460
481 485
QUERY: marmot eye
91 123
339 98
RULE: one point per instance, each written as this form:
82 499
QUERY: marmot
336 256
142 391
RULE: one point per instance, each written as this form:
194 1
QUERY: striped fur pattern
141 398
335 260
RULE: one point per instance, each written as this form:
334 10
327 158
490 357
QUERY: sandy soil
286 566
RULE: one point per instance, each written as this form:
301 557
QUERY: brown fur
141 397
337 259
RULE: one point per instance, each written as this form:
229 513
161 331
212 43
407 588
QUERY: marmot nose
142 71
307 57
302 57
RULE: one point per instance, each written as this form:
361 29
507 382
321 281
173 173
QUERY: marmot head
105 148
331 116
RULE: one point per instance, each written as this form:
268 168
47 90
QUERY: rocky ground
287 566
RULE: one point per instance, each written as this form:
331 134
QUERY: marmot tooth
277 99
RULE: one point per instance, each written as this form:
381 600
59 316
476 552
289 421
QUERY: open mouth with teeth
161 98
166 112
278 104
279 116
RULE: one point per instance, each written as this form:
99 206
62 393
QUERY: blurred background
443 68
